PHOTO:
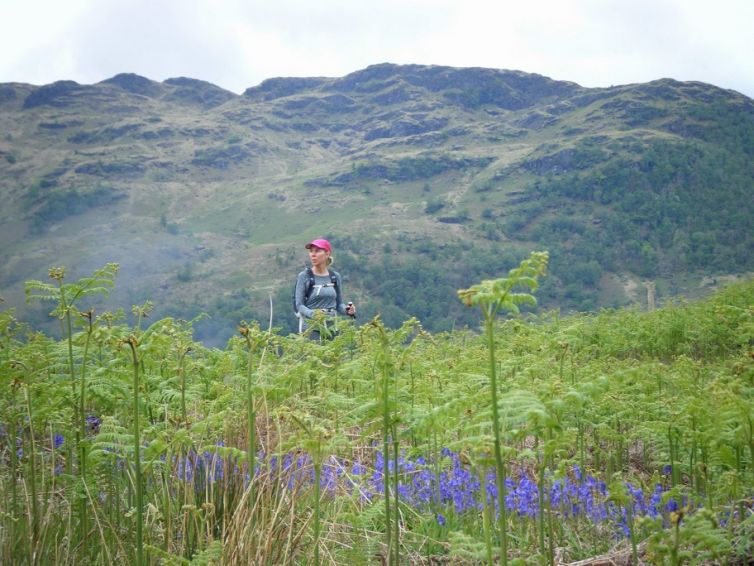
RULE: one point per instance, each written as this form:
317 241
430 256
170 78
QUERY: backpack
309 287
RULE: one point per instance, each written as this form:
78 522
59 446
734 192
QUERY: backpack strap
309 285
334 280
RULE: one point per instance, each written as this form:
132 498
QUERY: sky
236 44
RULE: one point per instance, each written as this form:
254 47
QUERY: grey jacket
322 296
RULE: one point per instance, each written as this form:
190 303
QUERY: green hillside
423 177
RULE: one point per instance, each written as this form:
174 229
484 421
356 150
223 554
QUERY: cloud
33 40
238 43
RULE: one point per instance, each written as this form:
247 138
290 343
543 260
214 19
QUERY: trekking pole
353 342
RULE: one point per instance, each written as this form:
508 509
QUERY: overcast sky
237 44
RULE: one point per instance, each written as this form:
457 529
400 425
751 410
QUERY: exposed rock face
136 84
198 92
59 94
63 94
281 87
7 93
468 87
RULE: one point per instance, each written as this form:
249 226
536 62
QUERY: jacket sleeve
298 296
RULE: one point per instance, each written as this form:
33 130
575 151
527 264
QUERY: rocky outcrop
60 94
280 87
199 93
135 84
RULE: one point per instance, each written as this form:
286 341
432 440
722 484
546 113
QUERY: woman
318 288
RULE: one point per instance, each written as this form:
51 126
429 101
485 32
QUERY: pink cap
321 244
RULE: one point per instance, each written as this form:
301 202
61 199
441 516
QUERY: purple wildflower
92 424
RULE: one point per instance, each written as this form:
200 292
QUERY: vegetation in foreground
624 433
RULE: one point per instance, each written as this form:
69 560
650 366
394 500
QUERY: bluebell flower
524 497
443 485
655 501
92 424
185 470
577 472
379 463
725 518
329 476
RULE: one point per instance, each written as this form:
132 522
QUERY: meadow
621 436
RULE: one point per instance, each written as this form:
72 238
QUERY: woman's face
318 256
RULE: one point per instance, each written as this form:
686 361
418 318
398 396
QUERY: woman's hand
351 309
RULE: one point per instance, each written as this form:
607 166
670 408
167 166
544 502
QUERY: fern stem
489 324
486 520
82 444
317 495
541 505
397 526
182 374
11 436
250 425
34 534
137 458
